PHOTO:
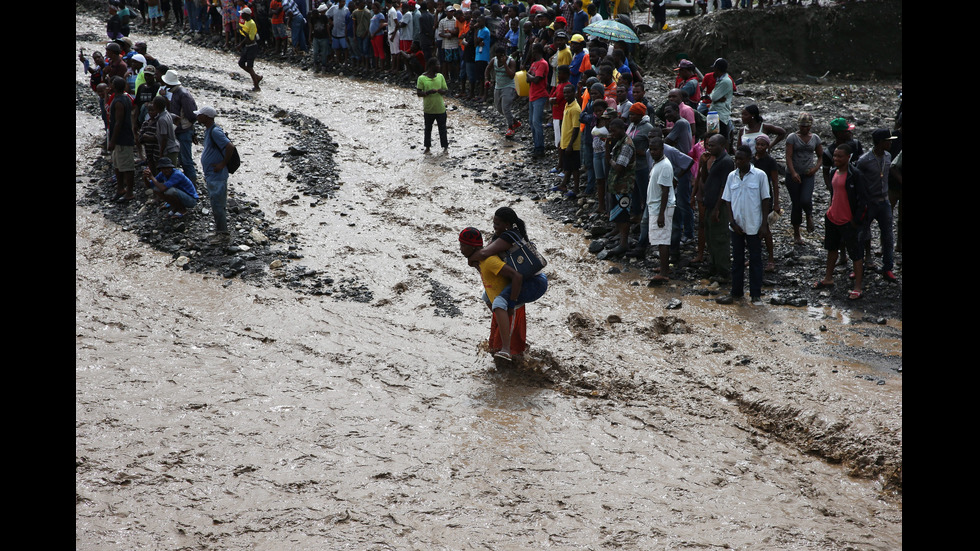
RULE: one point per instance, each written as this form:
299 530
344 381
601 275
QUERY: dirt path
216 414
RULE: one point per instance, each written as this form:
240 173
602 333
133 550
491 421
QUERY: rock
275 264
599 230
258 237
614 270
725 299
718 347
674 304
182 261
613 318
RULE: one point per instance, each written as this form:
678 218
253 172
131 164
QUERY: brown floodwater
212 415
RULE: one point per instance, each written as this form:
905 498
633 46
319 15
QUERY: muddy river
215 414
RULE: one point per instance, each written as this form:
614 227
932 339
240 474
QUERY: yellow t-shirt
570 123
493 282
249 29
565 56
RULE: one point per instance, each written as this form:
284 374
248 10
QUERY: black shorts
249 53
571 160
846 234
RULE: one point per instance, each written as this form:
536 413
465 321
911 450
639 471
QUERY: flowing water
229 416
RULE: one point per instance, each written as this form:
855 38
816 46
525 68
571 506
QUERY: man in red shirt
537 76
278 25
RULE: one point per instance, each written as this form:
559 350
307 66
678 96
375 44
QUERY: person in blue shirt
581 18
218 151
171 187
512 36
482 54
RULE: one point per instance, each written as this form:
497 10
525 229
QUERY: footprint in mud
664 325
584 328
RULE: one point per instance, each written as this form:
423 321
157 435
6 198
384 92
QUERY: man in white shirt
660 205
746 196
394 19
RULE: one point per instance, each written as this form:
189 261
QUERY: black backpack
236 159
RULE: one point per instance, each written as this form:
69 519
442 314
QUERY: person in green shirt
432 87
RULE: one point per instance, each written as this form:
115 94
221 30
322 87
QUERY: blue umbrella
612 30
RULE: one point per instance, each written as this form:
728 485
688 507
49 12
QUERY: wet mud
343 399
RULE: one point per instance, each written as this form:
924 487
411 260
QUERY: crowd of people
669 170
151 122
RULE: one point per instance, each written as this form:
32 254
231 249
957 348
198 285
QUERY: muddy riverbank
217 412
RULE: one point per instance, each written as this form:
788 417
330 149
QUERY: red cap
471 236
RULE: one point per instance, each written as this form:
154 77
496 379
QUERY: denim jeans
193 15
298 28
365 43
881 211
174 194
754 244
186 141
532 289
599 164
218 195
587 164
534 120
321 51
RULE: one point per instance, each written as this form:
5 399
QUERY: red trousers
518 333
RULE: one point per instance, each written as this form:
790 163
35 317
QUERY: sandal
503 356
854 295
821 285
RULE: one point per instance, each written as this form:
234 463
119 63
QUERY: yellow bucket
520 81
